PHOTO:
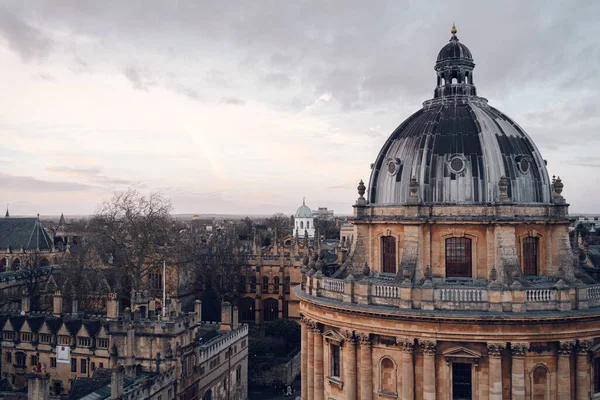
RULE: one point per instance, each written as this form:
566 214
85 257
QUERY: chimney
112 306
198 310
38 386
225 316
25 303
116 382
58 303
234 322
130 344
74 306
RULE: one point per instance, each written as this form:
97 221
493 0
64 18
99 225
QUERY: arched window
242 284
265 284
44 262
301 224
458 257
388 254
16 265
286 286
307 224
207 395
276 284
270 309
253 282
454 80
539 378
246 309
3 265
388 376
530 256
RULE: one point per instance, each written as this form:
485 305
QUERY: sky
249 106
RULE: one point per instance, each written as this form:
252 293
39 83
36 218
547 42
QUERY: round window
392 167
457 164
523 164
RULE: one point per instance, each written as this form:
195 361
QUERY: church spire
7 213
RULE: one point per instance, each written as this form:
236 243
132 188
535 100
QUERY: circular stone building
460 282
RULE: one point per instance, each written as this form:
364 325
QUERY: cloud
44 76
233 101
138 80
277 79
31 184
89 173
22 38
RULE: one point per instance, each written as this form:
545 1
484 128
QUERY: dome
303 211
457 147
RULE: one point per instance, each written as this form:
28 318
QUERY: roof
96 387
303 211
457 147
453 50
23 232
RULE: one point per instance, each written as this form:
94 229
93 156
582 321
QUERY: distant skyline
247 107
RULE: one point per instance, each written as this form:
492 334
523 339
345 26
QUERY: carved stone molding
495 349
406 345
566 347
519 349
583 346
364 339
349 337
428 346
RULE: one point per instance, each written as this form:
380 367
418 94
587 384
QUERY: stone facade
201 355
453 299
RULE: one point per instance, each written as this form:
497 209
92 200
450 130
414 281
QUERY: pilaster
318 355
565 350
429 350
366 367
303 356
582 377
518 352
310 364
408 369
495 369
349 357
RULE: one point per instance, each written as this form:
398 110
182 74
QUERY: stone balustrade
333 285
449 296
218 344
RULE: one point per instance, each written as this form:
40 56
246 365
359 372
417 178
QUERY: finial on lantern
453 30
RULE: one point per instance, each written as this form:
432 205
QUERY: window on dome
530 256
458 258
388 254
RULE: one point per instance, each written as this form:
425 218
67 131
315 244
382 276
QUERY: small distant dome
303 211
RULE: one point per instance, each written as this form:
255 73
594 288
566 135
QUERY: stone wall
284 372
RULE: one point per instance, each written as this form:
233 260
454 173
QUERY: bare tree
131 231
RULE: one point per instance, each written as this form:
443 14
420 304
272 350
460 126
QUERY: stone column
366 367
349 357
429 348
310 363
303 357
582 379
565 349
495 369
318 355
408 370
518 351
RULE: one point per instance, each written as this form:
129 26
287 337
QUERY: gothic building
175 356
460 282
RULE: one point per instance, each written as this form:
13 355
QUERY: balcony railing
448 296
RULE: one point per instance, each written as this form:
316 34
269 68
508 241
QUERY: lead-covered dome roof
457 147
303 211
